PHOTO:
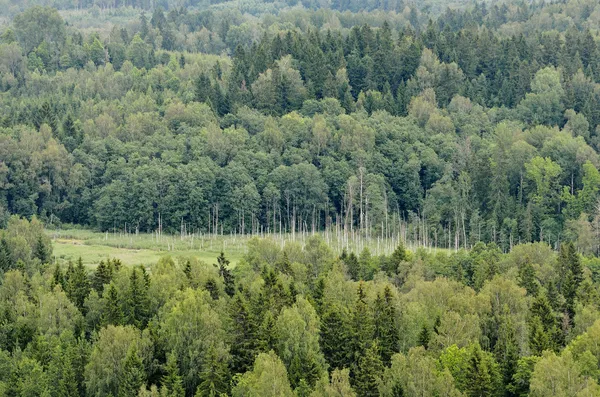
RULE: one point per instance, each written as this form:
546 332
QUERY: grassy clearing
148 248
144 249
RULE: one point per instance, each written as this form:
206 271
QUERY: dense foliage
450 134
298 321
475 129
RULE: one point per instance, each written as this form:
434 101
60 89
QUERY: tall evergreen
137 300
369 371
335 338
5 256
78 284
133 375
386 329
102 276
228 277
112 312
172 383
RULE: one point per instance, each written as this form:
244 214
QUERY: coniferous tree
203 88
481 374
5 256
527 279
133 376
137 300
335 338
424 337
506 349
57 277
353 266
214 376
42 251
172 383
362 328
228 277
369 371
245 332
386 330
212 288
102 276
79 285
112 312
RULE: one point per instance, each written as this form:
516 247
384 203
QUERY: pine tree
133 376
228 278
172 383
102 276
362 327
79 285
57 277
481 374
245 330
353 266
507 349
137 300
212 288
386 330
214 376
424 337
527 279
5 256
42 251
370 369
335 338
112 312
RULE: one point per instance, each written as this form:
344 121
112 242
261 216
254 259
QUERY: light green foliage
267 378
561 376
297 332
107 369
193 331
416 374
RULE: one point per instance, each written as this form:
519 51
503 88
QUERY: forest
460 139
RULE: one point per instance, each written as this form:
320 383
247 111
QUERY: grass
147 248
141 249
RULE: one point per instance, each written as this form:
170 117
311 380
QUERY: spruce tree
112 312
527 279
481 374
133 376
79 285
244 347
507 349
42 251
212 288
362 327
386 330
102 276
370 370
424 337
172 383
214 376
57 277
397 257
335 338
228 278
5 256
137 300
353 266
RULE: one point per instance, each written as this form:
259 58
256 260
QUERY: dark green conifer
133 376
